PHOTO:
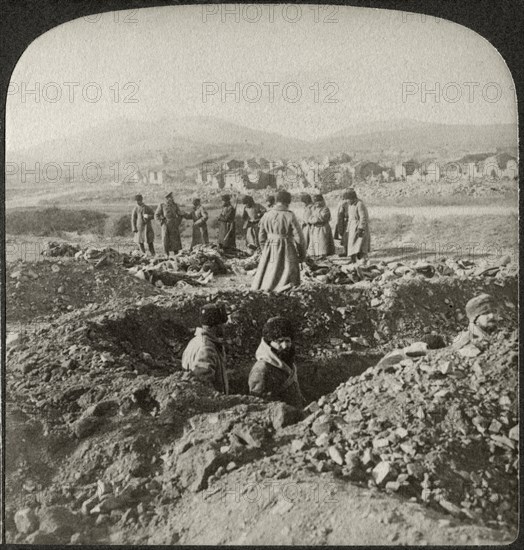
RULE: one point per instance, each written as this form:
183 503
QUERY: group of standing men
286 242
275 230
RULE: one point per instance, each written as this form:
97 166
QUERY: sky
302 71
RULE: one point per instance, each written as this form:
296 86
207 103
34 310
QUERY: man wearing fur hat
481 312
226 225
282 243
199 216
169 216
353 227
141 224
321 241
205 355
274 375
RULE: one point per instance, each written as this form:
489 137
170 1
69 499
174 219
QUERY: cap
277 327
213 314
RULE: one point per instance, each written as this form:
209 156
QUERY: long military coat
227 227
141 218
283 248
350 219
252 216
321 241
200 235
170 218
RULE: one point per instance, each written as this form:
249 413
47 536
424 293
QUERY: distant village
328 173
309 173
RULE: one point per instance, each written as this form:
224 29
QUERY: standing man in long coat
283 247
226 225
199 216
170 217
141 224
321 241
252 215
353 227
308 203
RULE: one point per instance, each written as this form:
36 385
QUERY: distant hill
181 142
422 136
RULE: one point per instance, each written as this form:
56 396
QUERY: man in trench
199 216
205 355
483 322
353 227
481 312
283 248
252 215
274 375
169 216
226 225
141 224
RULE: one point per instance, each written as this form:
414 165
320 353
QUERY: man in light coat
251 217
353 227
274 375
199 216
141 225
169 216
205 355
283 248
321 241
227 225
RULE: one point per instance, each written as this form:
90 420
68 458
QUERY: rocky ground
109 441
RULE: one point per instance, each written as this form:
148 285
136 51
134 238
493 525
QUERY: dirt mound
442 429
120 435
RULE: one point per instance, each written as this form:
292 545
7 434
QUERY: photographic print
261 280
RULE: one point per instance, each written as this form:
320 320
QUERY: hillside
187 141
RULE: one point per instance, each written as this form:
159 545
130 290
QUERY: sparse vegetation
53 221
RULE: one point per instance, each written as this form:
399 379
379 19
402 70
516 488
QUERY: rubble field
109 441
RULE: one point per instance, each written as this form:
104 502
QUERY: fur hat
271 200
226 198
306 198
349 194
248 200
480 305
318 198
170 194
196 201
283 197
277 327
213 314
139 197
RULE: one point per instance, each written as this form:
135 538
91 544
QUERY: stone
379 443
495 426
322 425
335 455
469 351
401 432
416 470
392 486
40 538
514 433
382 472
322 440
58 521
444 367
283 415
367 457
449 507
86 426
26 521
196 465
408 448
252 435
88 505
297 445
